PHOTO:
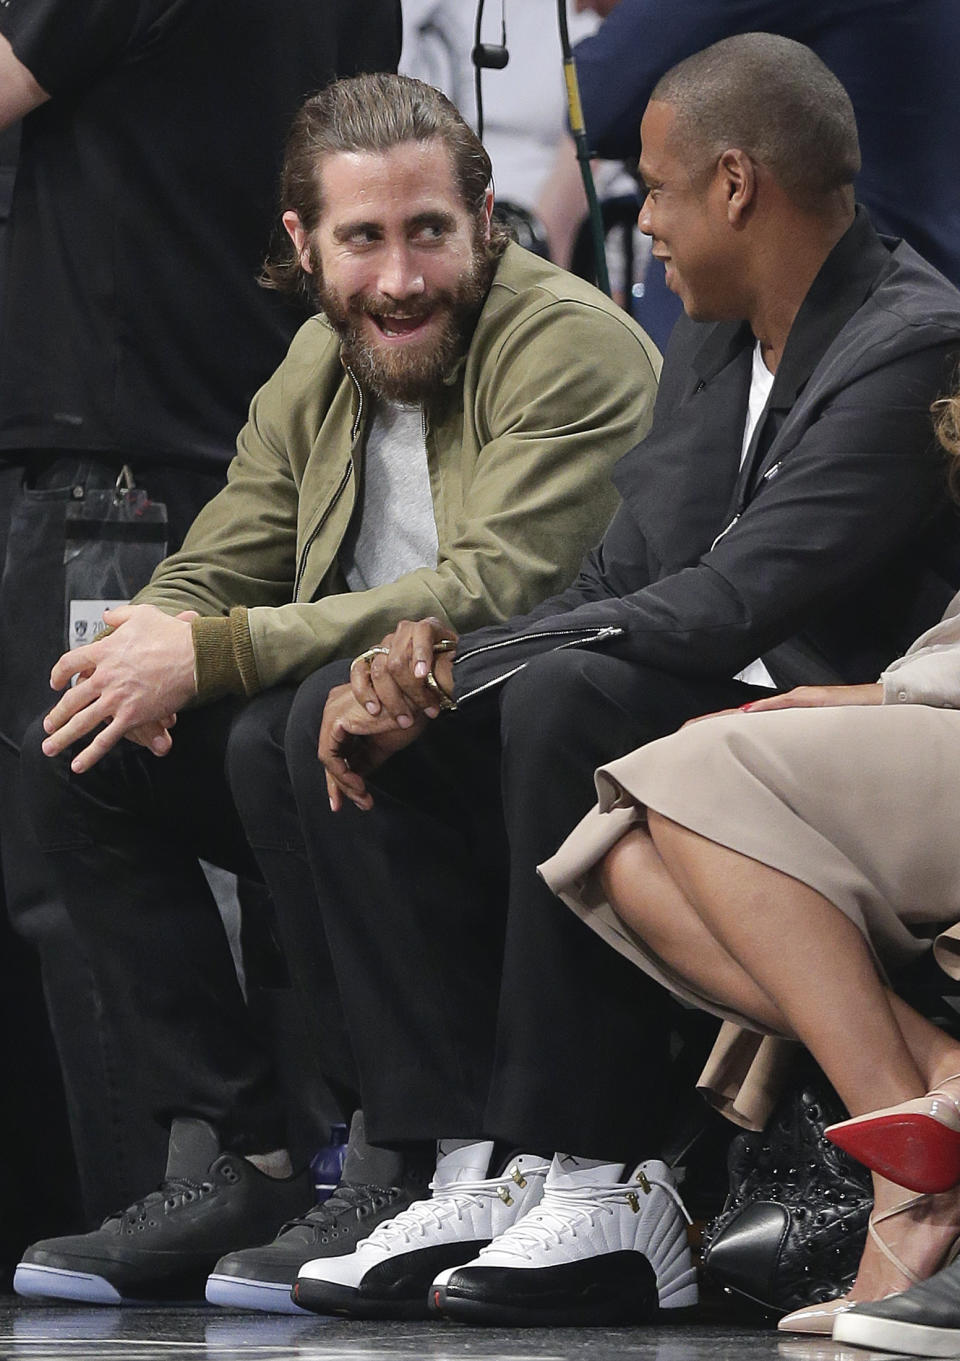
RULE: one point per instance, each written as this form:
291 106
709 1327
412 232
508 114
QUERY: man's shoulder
540 283
65 45
912 292
526 288
315 341
912 309
310 372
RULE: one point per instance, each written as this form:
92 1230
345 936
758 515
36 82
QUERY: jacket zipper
302 566
726 531
581 636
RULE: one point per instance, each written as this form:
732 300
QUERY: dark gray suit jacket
830 550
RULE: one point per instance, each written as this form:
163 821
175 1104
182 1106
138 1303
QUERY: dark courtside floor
32 1331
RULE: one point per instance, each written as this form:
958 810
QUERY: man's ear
738 176
298 235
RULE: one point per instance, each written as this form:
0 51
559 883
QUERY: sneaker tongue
566 1171
192 1148
365 1165
468 1163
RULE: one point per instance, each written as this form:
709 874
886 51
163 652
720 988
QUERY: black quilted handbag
794 1222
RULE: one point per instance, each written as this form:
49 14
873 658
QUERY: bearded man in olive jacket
439 439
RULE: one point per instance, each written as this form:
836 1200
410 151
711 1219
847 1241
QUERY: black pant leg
122 843
313 1048
581 1060
118 1149
412 896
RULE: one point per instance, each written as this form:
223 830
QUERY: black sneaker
164 1246
377 1183
262 1277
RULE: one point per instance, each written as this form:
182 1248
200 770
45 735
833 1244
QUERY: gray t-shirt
393 530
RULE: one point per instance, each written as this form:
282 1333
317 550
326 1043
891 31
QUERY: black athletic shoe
377 1183
164 1246
922 1321
262 1277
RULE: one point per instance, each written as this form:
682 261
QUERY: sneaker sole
890 1334
458 1309
322 1297
48 1282
238 1292
609 1288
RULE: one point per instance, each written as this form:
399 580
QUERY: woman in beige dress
770 866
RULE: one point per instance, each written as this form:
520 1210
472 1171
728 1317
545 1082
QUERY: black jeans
476 1002
123 842
118 1153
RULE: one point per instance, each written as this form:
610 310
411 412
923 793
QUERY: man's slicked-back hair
372 113
772 98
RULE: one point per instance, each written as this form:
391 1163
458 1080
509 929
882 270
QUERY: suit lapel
678 484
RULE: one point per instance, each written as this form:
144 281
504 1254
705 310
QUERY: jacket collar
846 277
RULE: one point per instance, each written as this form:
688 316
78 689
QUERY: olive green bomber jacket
557 384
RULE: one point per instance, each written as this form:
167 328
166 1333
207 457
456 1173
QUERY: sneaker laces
561 1211
171 1195
345 1198
449 1199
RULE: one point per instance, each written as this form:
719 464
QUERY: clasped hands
129 684
386 706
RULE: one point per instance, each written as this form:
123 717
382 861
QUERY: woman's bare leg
804 954
640 890
813 963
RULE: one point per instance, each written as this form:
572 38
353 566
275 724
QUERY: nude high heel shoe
915 1144
819 1318
816 1318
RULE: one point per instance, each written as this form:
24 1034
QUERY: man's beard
414 372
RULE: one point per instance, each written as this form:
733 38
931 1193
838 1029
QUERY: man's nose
643 218
400 273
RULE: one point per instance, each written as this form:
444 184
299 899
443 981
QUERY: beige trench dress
861 803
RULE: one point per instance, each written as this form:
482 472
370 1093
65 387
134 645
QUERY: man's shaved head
772 98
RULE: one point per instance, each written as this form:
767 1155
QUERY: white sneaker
389 1273
586 1254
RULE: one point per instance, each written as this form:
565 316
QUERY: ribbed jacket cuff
224 655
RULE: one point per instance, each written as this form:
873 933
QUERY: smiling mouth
396 328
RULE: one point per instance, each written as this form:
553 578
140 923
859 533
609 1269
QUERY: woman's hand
818 697
806 697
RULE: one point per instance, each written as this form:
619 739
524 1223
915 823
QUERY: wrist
443 672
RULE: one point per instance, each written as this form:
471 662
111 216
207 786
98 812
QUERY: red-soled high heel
915 1144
